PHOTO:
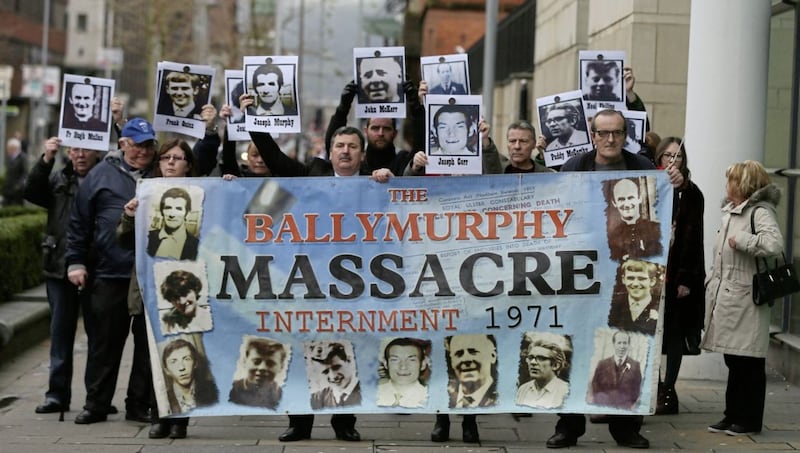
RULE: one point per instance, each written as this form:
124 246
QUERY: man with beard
182 290
546 360
172 240
268 85
181 93
381 79
630 235
79 112
263 360
380 132
472 367
636 308
562 122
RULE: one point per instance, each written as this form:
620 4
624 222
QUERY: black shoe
469 432
598 419
561 440
441 431
293 434
112 410
720 427
87 417
177 432
667 402
741 430
51 407
348 434
158 430
634 440
138 416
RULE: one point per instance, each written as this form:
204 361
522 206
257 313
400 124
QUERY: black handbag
770 284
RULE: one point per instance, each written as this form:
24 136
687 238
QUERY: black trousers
109 307
338 421
747 387
621 427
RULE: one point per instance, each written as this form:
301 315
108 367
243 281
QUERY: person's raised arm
491 164
37 185
339 118
205 150
229 165
278 162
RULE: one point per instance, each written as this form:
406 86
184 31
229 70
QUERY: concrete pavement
23 381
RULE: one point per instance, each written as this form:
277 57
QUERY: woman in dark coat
685 305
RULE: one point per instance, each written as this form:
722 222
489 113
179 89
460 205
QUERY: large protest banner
523 293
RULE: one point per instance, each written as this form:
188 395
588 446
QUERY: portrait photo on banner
403 372
636 125
183 90
472 370
601 81
544 369
182 295
617 368
446 74
563 123
378 72
637 296
86 112
332 374
271 82
175 217
260 372
188 381
631 217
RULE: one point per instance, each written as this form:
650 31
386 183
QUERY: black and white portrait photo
175 223
632 221
182 294
183 90
601 79
636 124
637 295
453 139
544 369
446 74
186 374
271 84
562 120
472 370
617 368
260 372
378 72
332 374
86 112
404 372
234 88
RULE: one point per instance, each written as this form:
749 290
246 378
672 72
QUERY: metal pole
42 113
4 105
489 45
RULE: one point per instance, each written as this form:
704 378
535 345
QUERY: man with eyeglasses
97 264
521 137
172 240
562 121
55 192
545 358
608 135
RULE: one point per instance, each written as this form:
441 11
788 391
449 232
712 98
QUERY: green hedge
21 252
13 211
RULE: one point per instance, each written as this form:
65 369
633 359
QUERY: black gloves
348 94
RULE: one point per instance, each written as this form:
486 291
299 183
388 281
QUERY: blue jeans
65 302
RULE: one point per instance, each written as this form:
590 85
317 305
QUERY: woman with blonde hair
735 326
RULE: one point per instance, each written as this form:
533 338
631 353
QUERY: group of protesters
89 263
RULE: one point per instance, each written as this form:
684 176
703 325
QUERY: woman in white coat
734 325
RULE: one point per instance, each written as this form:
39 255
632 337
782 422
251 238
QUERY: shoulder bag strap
753 230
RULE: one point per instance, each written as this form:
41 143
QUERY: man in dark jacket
96 263
55 193
16 172
608 136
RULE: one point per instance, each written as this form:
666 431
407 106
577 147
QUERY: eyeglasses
672 156
176 157
537 358
619 133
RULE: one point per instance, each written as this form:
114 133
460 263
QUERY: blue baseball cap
139 130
